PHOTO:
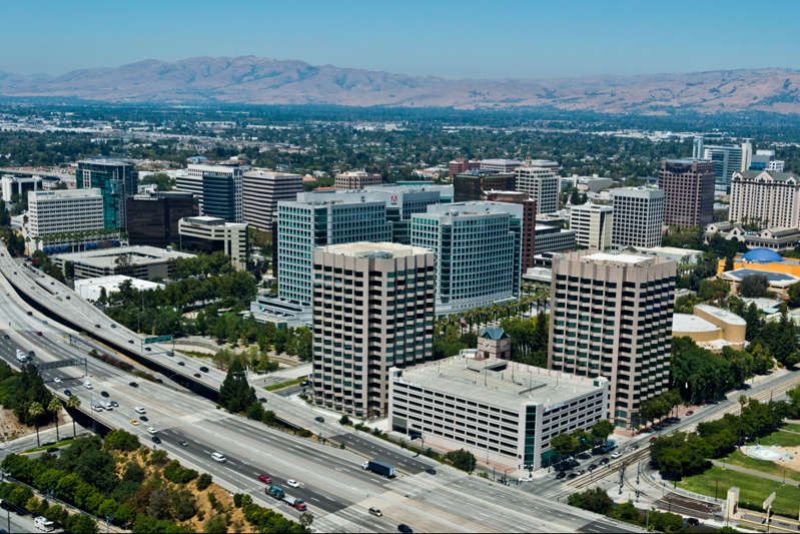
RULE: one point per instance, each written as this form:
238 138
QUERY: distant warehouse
504 412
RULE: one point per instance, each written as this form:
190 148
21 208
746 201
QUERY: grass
289 383
752 490
62 443
781 439
793 427
765 466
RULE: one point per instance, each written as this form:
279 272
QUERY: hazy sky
454 39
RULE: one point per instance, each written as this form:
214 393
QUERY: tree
601 430
73 403
461 459
36 410
728 263
564 444
120 440
54 407
753 286
235 394
594 500
306 518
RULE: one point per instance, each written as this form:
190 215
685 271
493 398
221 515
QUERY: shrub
204 481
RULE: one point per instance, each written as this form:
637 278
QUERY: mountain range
256 80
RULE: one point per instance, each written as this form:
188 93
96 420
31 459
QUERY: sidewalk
755 473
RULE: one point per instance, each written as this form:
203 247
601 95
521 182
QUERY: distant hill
255 80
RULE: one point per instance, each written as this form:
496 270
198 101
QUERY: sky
446 38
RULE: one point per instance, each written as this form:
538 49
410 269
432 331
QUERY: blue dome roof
762 255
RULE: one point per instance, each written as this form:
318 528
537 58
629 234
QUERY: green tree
594 500
755 285
601 430
235 394
120 440
564 444
54 407
461 459
36 410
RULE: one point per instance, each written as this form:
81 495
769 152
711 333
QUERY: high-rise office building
638 217
472 185
213 234
539 180
727 159
478 252
767 199
221 183
612 317
261 192
116 179
592 225
356 179
315 220
373 310
528 221
688 187
153 217
64 211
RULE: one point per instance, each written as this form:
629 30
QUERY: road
338 491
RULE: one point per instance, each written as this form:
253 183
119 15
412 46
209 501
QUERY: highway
336 489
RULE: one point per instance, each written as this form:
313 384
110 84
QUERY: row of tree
580 440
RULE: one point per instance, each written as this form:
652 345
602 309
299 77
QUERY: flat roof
115 280
367 249
684 322
502 383
138 255
778 279
629 259
721 314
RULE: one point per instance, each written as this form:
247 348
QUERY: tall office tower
768 199
688 187
592 225
116 179
356 180
727 159
64 211
499 165
373 310
224 185
697 148
318 220
403 201
212 234
638 216
153 217
539 180
472 185
747 155
612 317
528 221
478 252
261 192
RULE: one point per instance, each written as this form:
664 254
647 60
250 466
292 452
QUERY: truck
381 468
275 491
295 503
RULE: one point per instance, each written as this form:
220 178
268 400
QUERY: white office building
638 216
64 211
504 412
539 180
499 165
212 234
592 225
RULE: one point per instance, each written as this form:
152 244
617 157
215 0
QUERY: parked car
560 475
68 393
319 419
405 529
616 454
197 375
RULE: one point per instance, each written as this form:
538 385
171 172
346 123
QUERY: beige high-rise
612 317
373 310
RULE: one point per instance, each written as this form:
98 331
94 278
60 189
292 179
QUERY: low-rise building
494 343
91 289
148 263
356 179
212 234
780 239
711 327
504 412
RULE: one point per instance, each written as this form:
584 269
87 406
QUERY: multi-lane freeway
339 493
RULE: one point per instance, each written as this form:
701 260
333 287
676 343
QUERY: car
405 529
155 439
430 471
560 475
104 393
67 393
319 419
97 326
689 412
293 483
88 385
133 384
604 461
262 399
140 410
115 404
181 363
584 456
197 375
183 443
152 430
204 369
692 522
112 325
266 479
130 341
143 418
592 467
616 454
57 380
67 297
30 313
218 457
39 333
375 511
148 349
134 422
581 472
571 475
653 438
97 408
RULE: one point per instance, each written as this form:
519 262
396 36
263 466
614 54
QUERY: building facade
373 310
212 234
765 199
612 317
505 413
153 217
688 187
478 252
261 192
221 183
528 221
18 187
146 263
64 211
471 186
539 180
116 179
499 165
592 225
356 180
638 216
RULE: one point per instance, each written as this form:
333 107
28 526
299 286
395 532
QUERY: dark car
181 364
30 313
262 399
592 467
204 369
133 384
196 375
405 529
97 326
104 393
113 325
68 393
560 475
143 418
692 521
130 341
155 439
319 419
604 461
584 456
5 336
148 349
571 475
430 471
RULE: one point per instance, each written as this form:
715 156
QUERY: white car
293 483
616 454
88 385
56 380
151 429
219 457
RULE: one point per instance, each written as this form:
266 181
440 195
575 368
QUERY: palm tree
35 410
73 403
54 407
